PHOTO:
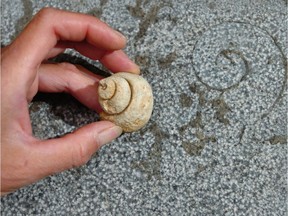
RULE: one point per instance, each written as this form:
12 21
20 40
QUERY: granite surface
217 140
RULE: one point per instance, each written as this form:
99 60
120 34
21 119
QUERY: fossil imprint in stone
126 100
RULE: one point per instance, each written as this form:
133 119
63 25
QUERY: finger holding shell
126 100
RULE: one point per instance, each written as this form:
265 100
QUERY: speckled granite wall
217 140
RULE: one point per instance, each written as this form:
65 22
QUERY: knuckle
96 140
69 67
70 76
81 155
46 12
70 71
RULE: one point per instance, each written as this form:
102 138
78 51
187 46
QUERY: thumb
74 149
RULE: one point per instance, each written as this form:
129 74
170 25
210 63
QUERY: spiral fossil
241 60
126 100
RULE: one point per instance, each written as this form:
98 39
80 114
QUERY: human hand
25 159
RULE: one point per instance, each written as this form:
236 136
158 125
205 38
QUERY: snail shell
126 100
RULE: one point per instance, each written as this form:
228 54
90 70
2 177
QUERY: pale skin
25 71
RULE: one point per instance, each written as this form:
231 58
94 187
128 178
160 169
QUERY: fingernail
136 69
109 134
120 34
132 67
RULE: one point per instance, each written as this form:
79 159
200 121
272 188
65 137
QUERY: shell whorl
126 100
114 94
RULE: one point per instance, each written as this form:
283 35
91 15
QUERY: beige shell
126 100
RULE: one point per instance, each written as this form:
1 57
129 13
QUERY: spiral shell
126 100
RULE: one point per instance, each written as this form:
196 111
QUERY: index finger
52 25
